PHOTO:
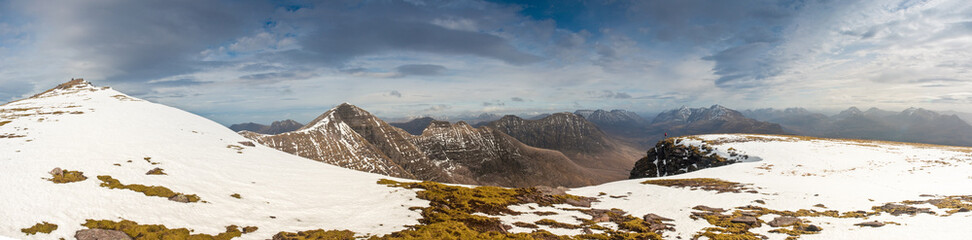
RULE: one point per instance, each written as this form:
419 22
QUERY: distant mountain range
911 125
277 127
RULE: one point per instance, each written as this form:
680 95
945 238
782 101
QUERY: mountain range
351 137
276 127
910 125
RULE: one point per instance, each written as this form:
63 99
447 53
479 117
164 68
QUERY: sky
259 61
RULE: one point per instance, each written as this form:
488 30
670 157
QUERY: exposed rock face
350 137
414 126
668 157
100 234
277 127
329 139
580 140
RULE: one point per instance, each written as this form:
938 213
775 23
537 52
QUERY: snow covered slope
100 131
796 173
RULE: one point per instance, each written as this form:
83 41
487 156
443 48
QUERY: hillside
580 140
102 132
277 127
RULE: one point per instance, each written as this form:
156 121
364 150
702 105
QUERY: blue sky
240 61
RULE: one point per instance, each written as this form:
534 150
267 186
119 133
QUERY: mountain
715 119
789 186
491 156
277 127
105 134
580 140
617 121
910 125
414 126
351 137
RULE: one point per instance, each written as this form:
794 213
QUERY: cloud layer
254 61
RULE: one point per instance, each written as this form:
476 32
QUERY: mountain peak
73 86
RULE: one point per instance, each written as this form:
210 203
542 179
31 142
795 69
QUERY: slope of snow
797 174
91 129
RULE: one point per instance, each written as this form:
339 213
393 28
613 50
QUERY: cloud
438 108
516 99
395 93
178 82
421 69
275 77
609 94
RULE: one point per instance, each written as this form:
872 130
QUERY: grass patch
66 176
236 195
154 191
707 184
44 227
153 232
556 224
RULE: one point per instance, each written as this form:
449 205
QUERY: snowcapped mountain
458 153
714 119
617 121
102 132
277 127
580 140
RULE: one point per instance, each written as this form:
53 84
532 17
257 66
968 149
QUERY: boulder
57 171
811 228
749 220
870 224
100 234
708 209
651 217
179 198
783 221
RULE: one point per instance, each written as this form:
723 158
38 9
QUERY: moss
44 227
249 229
525 225
708 184
318 234
236 195
155 191
67 176
154 231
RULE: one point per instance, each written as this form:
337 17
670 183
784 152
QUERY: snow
300 194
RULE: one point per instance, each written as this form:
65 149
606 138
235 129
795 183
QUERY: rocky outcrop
669 157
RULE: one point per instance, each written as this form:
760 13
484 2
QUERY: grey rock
100 234
783 221
180 198
750 220
651 217
870 224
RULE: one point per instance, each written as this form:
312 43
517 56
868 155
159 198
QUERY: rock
583 202
963 210
551 191
57 172
708 209
587 230
927 195
812 228
601 218
870 224
155 171
749 220
819 205
247 143
651 217
100 234
783 221
751 214
179 198
760 201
